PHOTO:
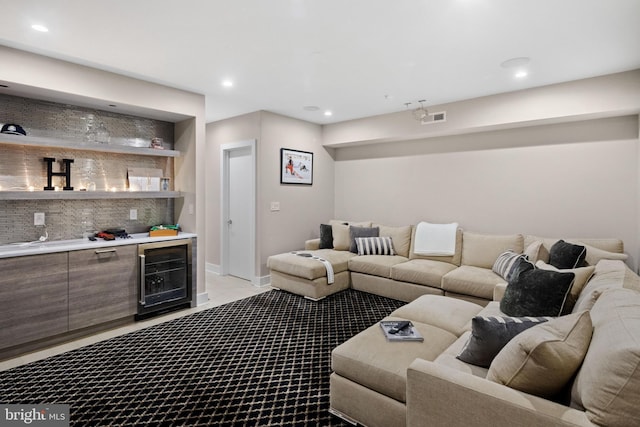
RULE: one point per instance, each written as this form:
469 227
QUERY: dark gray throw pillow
563 255
536 292
490 333
326 236
355 232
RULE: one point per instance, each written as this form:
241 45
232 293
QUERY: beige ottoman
307 276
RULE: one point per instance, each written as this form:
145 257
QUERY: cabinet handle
142 274
105 251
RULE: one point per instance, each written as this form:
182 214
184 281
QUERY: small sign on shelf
144 179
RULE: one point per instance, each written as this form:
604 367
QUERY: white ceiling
356 58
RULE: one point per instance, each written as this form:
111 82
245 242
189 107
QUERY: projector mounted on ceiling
422 115
431 118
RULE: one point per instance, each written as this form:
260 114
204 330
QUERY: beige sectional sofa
467 274
380 383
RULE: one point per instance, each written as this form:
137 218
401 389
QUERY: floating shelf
85 195
36 141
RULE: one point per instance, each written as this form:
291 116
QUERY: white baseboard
212 268
202 298
256 281
262 281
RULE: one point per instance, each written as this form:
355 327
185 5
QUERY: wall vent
438 117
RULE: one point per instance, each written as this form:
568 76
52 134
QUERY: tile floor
221 290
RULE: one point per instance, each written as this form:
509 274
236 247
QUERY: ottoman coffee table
305 275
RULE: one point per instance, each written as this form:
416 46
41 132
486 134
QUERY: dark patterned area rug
261 361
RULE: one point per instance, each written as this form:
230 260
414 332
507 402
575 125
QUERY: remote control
400 326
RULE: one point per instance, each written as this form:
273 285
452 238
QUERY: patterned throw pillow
375 246
490 333
505 262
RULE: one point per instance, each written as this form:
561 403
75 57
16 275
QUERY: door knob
229 222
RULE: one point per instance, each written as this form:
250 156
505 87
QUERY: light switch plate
275 206
133 213
38 218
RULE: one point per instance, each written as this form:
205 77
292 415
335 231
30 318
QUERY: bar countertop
37 247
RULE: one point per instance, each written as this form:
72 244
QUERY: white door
239 213
238 210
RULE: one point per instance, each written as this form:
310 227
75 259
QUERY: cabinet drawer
33 298
102 285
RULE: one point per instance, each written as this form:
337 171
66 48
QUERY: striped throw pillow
505 262
489 334
375 246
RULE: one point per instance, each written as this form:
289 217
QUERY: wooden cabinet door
33 298
102 285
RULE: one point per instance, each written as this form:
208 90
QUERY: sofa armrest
312 245
438 395
498 291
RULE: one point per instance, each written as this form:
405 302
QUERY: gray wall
576 179
302 207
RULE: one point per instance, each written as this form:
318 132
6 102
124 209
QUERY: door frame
225 151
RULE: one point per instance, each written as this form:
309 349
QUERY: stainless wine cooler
165 276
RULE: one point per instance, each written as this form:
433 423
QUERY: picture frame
296 167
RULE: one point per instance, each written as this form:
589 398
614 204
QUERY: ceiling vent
438 117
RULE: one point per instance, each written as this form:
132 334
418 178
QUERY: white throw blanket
435 239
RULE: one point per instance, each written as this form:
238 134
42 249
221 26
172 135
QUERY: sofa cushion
355 232
400 236
451 314
490 334
505 262
482 250
326 237
453 259
536 292
594 255
608 384
607 245
583 274
422 271
370 360
536 251
474 281
608 274
309 268
375 265
340 232
542 359
565 255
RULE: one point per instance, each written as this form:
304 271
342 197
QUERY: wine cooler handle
142 279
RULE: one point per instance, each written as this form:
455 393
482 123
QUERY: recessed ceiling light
521 74
227 83
40 28
311 108
328 113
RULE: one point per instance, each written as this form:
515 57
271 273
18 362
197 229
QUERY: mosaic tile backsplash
23 167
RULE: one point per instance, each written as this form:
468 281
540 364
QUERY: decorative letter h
66 173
